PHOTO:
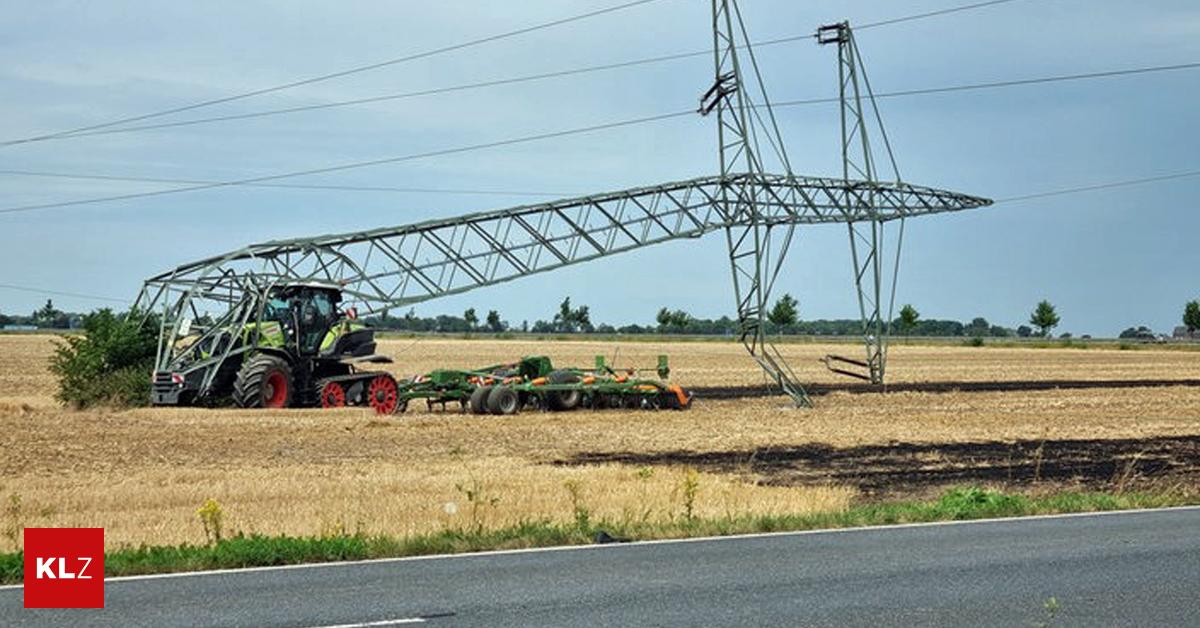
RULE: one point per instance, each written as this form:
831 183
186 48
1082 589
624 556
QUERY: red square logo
64 567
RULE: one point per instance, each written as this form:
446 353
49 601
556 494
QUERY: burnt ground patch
902 468
734 392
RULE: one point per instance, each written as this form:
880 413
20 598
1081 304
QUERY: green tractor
285 346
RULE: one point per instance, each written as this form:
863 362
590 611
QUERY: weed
476 494
689 487
1038 456
212 516
583 517
644 474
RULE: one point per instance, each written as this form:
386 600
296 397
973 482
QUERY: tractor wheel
503 400
332 395
383 394
264 381
478 401
563 399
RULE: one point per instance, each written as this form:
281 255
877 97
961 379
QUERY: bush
109 363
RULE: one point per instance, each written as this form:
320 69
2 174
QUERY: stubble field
142 474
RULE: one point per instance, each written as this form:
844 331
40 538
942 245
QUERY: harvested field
142 473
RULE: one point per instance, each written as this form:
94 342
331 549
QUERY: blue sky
1107 259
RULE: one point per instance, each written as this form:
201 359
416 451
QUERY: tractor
283 346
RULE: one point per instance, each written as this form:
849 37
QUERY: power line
104 129
1008 83
353 165
301 186
1100 186
199 184
921 16
59 293
338 74
403 95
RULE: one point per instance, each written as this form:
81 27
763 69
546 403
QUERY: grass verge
258 550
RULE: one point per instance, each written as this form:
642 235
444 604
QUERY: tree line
783 317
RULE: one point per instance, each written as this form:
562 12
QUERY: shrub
109 363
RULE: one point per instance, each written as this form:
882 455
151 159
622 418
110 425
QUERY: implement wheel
383 394
503 400
264 381
563 399
478 401
333 395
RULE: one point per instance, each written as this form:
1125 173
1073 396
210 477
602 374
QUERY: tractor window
317 316
323 304
276 310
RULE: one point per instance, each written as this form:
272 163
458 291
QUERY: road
1134 568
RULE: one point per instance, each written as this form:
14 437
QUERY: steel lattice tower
209 302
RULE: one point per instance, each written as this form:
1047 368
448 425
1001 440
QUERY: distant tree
471 318
1044 317
978 328
999 332
50 317
672 320
1141 332
908 318
571 320
1024 331
1191 316
582 319
663 318
785 312
525 326
494 324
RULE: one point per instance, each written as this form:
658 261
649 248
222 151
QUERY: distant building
20 328
1181 333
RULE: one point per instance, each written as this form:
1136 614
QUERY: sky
1107 259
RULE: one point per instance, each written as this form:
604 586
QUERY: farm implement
534 383
289 345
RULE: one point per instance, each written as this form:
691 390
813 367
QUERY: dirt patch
917 468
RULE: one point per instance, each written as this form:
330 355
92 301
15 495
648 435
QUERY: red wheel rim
333 395
383 395
275 396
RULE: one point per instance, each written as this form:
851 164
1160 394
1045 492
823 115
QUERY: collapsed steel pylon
208 301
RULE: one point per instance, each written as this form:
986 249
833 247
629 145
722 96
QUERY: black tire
478 401
503 400
258 382
563 399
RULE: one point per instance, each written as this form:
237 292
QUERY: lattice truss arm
394 267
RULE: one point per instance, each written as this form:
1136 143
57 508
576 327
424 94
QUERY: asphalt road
1137 568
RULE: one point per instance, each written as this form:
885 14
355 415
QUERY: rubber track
735 392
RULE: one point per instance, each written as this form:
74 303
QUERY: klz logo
64 567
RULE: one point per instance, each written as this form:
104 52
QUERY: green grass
258 550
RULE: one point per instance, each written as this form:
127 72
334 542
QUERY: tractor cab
306 313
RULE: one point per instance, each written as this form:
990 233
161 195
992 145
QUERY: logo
64 567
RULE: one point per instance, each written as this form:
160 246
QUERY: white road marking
609 546
384 622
